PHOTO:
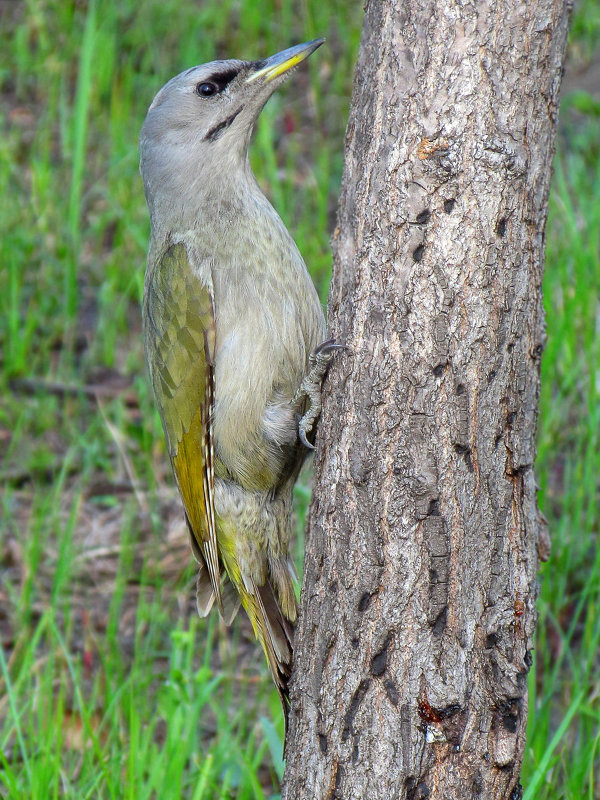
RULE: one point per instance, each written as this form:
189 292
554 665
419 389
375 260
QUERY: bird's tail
274 632
272 609
264 585
273 629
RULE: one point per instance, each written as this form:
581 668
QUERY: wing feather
179 330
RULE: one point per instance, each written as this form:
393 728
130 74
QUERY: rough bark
418 604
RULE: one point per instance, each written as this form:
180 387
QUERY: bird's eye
206 89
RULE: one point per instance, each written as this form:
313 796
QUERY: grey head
194 140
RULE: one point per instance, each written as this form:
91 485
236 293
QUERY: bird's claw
310 388
328 348
302 436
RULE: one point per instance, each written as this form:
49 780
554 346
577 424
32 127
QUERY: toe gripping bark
310 388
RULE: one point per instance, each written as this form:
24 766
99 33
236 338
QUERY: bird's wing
180 341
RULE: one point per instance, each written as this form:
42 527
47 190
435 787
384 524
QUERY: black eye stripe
222 79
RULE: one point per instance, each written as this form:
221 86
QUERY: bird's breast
268 320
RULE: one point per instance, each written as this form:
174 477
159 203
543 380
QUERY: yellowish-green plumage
230 319
180 338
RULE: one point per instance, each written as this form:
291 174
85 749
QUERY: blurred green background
110 687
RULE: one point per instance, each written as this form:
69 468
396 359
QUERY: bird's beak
282 62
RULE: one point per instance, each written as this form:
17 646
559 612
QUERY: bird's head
205 116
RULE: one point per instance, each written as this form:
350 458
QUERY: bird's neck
201 195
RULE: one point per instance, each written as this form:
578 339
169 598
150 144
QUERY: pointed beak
282 62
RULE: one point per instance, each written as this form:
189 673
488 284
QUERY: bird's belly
261 357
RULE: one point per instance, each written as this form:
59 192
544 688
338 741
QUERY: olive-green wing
179 332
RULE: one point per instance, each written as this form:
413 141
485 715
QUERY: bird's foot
310 388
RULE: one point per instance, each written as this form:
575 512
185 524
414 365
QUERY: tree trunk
418 603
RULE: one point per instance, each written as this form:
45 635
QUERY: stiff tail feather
271 611
275 634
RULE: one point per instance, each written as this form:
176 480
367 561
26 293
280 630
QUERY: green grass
563 752
110 687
